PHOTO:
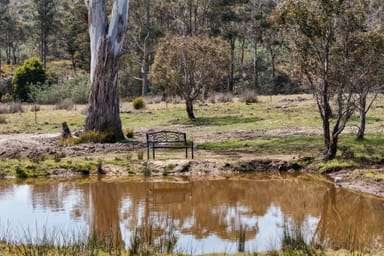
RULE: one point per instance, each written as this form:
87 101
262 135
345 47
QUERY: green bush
21 173
128 132
6 97
107 136
138 103
31 73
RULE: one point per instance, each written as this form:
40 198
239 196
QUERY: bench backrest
166 136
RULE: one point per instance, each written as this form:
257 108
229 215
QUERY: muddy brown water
206 214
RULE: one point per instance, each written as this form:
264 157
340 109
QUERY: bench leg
192 151
147 152
153 153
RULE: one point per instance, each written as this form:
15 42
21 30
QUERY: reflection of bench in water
168 192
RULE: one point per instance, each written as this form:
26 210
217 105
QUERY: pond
207 215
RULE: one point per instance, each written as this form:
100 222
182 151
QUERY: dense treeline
259 47
333 49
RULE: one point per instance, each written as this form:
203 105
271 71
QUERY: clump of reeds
293 241
151 240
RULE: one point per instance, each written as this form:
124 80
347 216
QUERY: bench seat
168 139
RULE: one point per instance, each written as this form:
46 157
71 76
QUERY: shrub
32 72
128 132
6 97
138 103
6 89
147 172
75 89
100 169
248 96
66 104
21 173
92 137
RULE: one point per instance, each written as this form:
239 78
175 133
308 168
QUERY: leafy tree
106 38
224 19
45 18
366 72
321 32
32 72
189 65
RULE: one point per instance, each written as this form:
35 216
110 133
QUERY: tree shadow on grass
222 120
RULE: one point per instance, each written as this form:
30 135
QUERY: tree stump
66 133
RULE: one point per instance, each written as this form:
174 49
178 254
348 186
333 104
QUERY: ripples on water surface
206 214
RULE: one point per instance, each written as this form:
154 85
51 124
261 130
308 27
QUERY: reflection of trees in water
104 212
53 195
218 207
6 189
203 208
350 221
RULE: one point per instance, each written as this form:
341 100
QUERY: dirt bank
19 146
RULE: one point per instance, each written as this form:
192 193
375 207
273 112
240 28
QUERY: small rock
338 179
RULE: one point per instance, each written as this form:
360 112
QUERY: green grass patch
305 145
28 169
333 165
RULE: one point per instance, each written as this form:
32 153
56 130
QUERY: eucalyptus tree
106 39
189 65
76 36
224 19
366 72
321 32
11 34
256 25
45 17
143 34
3 11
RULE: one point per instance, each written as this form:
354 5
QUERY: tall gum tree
106 39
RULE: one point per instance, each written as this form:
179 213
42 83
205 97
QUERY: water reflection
207 214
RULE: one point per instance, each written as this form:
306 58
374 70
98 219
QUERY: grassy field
275 125
277 112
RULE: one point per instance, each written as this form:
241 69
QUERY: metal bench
168 139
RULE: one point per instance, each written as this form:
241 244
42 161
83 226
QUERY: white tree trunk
106 42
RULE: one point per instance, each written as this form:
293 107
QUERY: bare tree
106 42
366 74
